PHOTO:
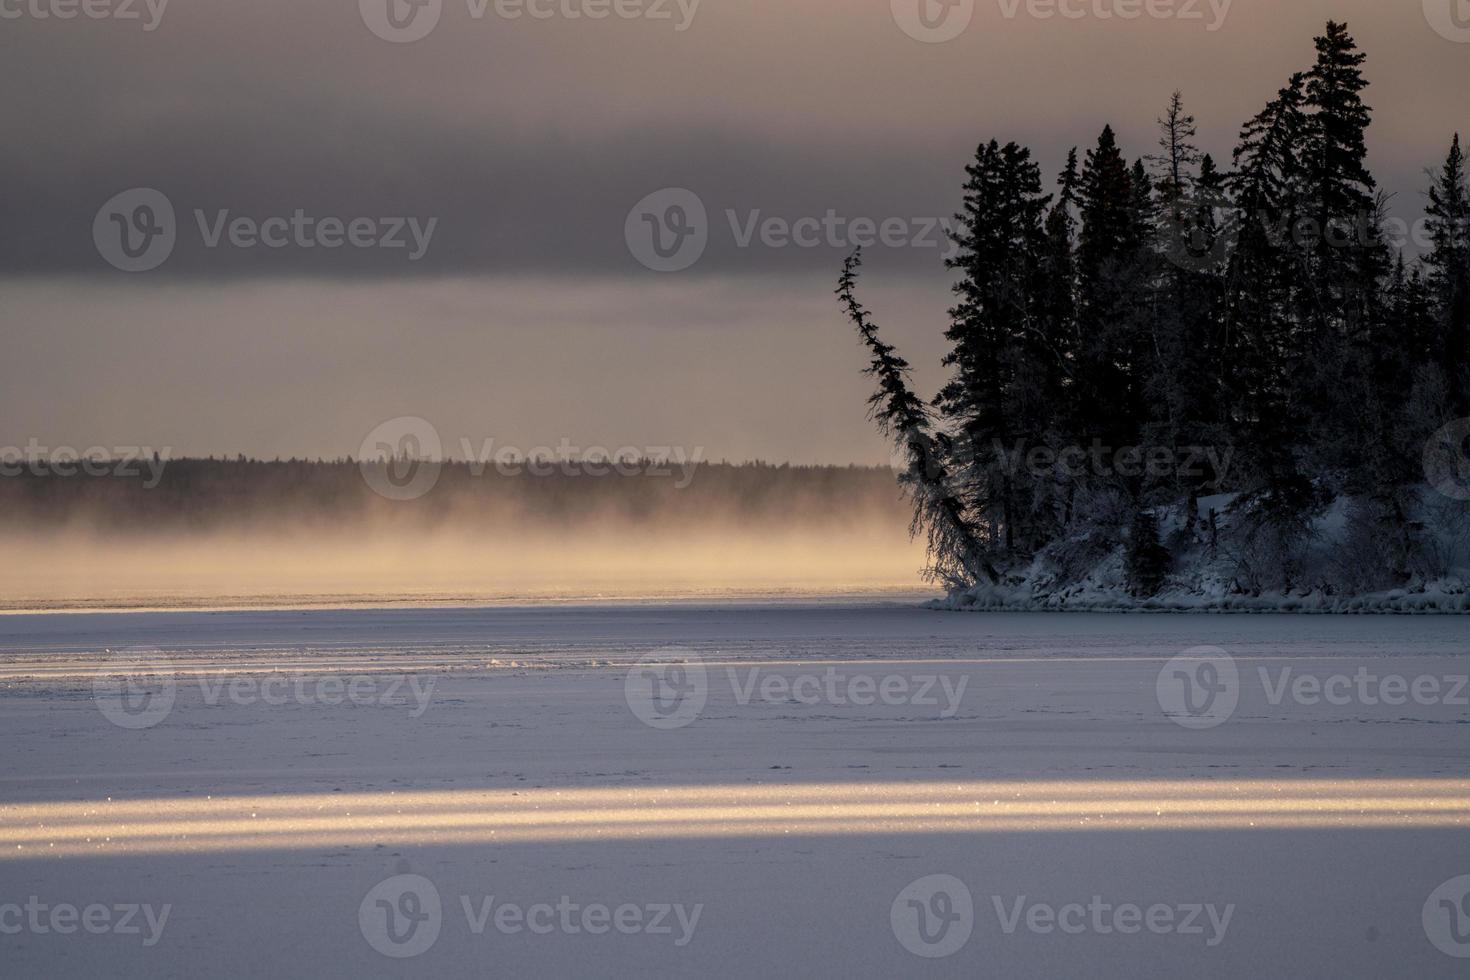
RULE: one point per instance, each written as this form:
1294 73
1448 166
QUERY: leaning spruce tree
956 556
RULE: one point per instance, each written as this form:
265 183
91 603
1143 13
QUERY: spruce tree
1264 284
1448 261
956 556
1058 334
1112 268
1182 389
1346 261
1145 559
1340 192
991 402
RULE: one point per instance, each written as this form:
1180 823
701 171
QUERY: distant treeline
198 494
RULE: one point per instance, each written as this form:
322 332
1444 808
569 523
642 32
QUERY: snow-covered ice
733 789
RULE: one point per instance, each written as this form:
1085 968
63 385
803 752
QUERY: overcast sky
514 307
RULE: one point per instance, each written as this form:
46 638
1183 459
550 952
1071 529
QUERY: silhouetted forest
1249 335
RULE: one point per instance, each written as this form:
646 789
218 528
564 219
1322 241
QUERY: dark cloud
528 319
529 141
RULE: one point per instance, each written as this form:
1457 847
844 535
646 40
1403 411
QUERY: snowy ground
770 793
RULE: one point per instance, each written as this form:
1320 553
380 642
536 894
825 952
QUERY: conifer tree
956 556
1183 388
1262 295
990 401
1448 261
1177 157
1059 292
1111 267
1145 559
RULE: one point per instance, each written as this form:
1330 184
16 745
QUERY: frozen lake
737 789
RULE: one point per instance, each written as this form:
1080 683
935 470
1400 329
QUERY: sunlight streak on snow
462 817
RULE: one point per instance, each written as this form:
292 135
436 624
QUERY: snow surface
1212 572
1105 592
533 700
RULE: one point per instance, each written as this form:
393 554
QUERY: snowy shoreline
1397 602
